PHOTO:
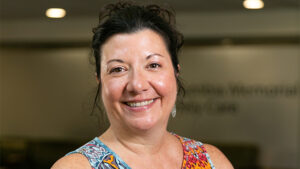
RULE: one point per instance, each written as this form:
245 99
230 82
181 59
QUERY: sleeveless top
102 157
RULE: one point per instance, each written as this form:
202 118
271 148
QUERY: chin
143 124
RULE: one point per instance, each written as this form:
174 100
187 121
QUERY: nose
137 82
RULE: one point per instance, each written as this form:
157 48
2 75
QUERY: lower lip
140 108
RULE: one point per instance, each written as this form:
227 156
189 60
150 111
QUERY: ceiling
24 9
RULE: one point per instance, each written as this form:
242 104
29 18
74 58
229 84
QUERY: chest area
194 157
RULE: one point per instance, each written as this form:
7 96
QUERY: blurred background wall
240 68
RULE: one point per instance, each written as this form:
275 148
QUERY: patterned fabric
101 157
194 155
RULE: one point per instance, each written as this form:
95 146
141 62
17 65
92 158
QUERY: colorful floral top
102 157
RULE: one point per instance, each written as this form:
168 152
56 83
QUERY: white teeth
138 104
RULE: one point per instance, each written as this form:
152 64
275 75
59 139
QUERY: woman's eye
116 70
154 65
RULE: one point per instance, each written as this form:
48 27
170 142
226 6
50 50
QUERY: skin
135 72
136 68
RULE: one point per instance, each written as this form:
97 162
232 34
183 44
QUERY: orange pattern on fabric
194 155
100 156
110 161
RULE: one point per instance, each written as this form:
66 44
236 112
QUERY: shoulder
217 157
74 161
85 157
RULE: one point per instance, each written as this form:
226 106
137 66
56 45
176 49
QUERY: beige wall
46 93
265 110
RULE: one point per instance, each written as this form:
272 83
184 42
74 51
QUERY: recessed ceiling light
55 13
253 4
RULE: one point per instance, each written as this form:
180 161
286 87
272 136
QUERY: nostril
137 83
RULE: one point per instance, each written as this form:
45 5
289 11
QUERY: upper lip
138 100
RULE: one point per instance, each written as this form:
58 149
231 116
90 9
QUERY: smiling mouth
139 104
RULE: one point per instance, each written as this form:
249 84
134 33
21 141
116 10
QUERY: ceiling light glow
253 4
55 13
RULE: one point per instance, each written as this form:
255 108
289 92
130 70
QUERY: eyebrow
121 61
115 60
149 56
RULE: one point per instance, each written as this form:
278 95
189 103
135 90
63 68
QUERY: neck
139 142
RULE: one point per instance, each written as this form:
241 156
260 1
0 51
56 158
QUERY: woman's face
138 81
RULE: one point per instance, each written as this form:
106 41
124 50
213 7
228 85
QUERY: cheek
166 85
111 90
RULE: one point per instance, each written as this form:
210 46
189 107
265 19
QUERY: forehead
141 42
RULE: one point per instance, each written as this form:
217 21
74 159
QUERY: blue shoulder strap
100 156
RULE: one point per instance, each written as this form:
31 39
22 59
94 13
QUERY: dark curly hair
128 17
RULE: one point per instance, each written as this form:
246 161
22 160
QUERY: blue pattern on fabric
102 157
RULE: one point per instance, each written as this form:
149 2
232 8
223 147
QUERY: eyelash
121 69
116 70
155 67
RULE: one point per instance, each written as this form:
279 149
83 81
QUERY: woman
135 48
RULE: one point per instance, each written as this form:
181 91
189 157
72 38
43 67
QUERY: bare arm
219 160
74 161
